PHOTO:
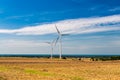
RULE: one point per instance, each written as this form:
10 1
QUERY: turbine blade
57 29
65 34
47 42
56 40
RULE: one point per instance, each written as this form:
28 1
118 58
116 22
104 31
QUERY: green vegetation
42 73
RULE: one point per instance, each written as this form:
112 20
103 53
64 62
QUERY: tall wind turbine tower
60 41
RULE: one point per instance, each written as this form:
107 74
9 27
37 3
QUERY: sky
93 26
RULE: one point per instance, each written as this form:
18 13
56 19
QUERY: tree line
105 58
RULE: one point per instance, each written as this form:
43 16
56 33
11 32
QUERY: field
47 69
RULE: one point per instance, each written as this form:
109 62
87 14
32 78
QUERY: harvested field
47 69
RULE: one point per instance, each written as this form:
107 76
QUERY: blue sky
93 25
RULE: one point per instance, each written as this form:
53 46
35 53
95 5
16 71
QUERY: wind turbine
52 46
60 40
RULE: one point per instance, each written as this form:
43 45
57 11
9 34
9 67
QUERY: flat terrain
47 69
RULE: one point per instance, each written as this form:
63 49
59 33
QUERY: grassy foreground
46 69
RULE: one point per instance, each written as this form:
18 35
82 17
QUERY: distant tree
92 58
115 57
96 59
79 59
64 58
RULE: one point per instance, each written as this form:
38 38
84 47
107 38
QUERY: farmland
18 68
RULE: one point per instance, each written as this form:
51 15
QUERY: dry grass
46 69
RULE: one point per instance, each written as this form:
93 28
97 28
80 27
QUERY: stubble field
47 69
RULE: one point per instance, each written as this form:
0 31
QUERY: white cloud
23 46
94 48
21 43
18 17
72 26
116 43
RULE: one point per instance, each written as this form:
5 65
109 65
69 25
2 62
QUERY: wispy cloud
71 26
115 9
21 43
116 43
19 17
23 46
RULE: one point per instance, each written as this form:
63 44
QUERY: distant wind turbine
52 46
60 40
